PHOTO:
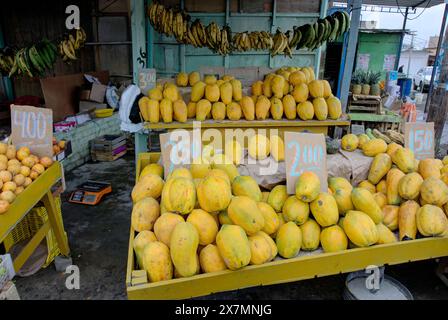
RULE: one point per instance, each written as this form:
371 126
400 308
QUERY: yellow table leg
55 223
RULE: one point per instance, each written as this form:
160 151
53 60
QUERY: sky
426 25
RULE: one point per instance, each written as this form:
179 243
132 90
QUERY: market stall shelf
304 266
39 190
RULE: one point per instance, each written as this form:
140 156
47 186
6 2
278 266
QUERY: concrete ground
99 236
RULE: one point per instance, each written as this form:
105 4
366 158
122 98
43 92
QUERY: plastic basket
29 226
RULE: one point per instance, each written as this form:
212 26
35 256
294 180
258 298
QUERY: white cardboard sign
419 137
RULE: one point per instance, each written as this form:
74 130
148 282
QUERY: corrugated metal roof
401 3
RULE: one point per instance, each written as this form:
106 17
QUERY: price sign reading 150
33 124
309 157
421 141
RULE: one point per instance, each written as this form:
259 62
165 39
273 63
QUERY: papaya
165 225
327 89
390 216
333 239
334 108
182 79
198 91
183 247
349 142
289 240
259 147
248 108
373 147
360 229
305 110
404 159
445 160
277 85
434 191
180 111
385 235
205 225
271 221
210 79
276 108
234 111
407 220
337 183
380 166
212 92
179 195
409 186
392 147
222 163
267 90
444 169
290 107
144 214
366 184
310 235
237 89
210 259
199 169
150 185
382 186
260 249
300 93
257 88
243 211
214 194
316 88
262 107
219 111
431 221
325 210
203 108
226 92
295 210
265 196
380 199
171 92
154 111
343 200
152 168
155 94
140 242
166 110
233 246
297 77
320 108
191 110
224 218
307 186
157 262
444 178
234 151
307 73
277 148
363 201
193 78
277 197
180 173
281 222
429 168
363 138
246 186
392 180
271 243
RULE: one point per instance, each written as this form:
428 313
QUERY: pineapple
374 83
356 82
365 83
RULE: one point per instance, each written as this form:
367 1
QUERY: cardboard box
98 92
84 95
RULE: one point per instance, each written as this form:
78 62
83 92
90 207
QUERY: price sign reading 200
309 157
33 124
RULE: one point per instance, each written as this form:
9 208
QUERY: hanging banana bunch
220 40
70 45
7 56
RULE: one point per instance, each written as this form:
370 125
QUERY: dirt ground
99 237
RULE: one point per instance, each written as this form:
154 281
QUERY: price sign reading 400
305 152
419 137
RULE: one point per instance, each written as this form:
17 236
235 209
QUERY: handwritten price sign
305 152
32 127
419 137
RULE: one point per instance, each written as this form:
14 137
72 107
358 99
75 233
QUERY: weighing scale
90 193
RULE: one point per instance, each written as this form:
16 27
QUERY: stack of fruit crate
108 147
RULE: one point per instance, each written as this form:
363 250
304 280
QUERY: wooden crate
108 148
364 103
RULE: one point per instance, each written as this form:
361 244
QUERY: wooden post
139 55
438 107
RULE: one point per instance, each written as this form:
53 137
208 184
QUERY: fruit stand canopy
402 3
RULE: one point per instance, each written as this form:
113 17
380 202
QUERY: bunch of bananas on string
6 60
176 23
33 60
69 46
255 40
